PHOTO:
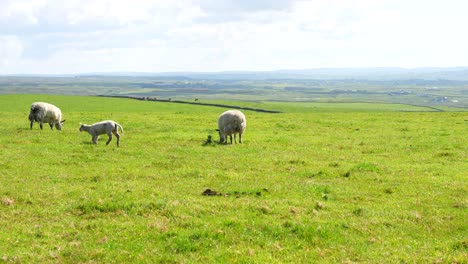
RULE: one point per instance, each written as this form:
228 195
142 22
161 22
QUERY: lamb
230 123
46 113
108 127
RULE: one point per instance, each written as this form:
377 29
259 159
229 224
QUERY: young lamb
46 113
108 127
230 123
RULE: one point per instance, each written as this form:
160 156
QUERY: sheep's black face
59 125
222 138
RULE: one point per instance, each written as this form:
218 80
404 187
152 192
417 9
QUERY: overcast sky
82 36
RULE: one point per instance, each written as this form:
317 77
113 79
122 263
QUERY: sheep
230 123
45 113
108 127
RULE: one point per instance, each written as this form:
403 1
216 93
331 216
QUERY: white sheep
108 127
230 123
46 113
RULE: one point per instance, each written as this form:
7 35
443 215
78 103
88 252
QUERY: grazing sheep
230 123
108 127
46 113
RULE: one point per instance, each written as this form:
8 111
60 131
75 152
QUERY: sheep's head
59 125
222 138
81 127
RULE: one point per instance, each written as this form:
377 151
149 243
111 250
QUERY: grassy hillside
309 185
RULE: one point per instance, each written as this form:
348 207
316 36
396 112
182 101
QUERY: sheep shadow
209 141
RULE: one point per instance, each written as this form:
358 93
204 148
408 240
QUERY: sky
85 36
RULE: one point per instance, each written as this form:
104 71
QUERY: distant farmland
435 93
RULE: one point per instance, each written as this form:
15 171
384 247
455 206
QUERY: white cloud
10 50
54 36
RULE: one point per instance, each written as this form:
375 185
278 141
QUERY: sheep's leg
94 139
118 138
240 137
110 138
51 125
40 124
31 125
230 138
235 139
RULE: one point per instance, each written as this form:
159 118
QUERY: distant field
441 94
303 107
329 183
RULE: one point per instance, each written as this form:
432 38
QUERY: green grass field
319 183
